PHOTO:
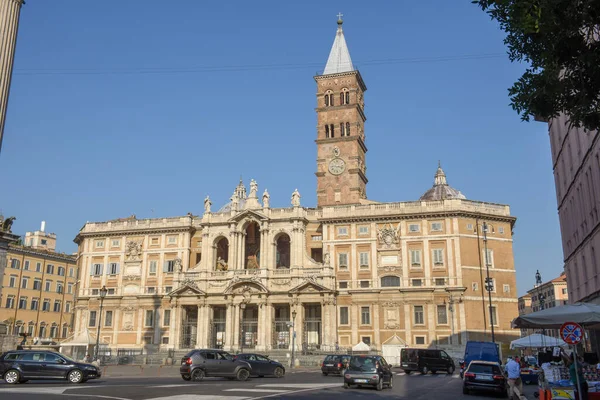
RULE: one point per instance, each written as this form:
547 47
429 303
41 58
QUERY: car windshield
224 356
362 363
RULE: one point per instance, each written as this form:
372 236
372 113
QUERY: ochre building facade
349 270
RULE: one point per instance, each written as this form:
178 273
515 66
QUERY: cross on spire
340 15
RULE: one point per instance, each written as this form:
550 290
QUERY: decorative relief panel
391 315
388 236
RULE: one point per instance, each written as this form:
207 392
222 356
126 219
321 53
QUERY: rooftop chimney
43 226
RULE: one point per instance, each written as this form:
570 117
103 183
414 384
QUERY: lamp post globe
103 293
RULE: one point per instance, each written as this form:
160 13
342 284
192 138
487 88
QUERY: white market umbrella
362 346
585 314
537 340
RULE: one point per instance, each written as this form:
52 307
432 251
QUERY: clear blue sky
146 106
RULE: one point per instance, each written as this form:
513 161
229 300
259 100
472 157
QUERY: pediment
246 286
251 214
187 289
309 286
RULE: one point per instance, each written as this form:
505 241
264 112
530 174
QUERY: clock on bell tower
341 149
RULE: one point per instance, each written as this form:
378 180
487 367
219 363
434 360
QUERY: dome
239 195
227 207
441 190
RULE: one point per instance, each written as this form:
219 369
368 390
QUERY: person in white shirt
513 370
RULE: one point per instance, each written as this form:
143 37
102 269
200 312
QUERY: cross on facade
340 15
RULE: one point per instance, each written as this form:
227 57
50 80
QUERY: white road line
256 390
401 373
58 390
314 387
168 386
300 385
200 397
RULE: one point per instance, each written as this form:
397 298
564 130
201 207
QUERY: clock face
337 166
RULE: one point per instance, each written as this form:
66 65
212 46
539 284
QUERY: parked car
19 366
482 351
197 364
485 376
334 364
262 365
425 360
368 371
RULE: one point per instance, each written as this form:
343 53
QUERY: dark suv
425 360
334 364
197 364
22 365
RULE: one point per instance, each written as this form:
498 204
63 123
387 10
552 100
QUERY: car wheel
279 372
407 371
197 375
186 377
75 376
391 384
13 376
242 375
450 370
379 386
424 370
465 390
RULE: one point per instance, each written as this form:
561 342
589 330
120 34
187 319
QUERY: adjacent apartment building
552 293
245 275
38 288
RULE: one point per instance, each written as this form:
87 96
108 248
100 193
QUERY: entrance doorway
312 339
249 327
281 330
189 329
217 327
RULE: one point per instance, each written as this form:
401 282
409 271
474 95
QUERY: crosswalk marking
265 390
299 385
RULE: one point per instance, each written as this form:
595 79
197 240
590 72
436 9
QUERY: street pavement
303 384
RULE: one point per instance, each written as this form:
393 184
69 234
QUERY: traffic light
489 284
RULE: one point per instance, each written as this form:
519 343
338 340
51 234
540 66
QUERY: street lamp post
451 302
242 338
293 338
489 284
103 292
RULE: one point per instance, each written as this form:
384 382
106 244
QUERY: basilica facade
247 275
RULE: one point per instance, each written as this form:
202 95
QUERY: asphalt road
295 385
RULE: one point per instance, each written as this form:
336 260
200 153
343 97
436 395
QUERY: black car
197 364
425 360
261 365
19 366
485 376
334 364
368 371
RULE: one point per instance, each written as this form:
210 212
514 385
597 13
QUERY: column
173 339
431 322
376 332
299 326
157 325
231 253
408 324
201 326
262 329
229 328
236 326
140 323
241 246
462 328
354 323
326 328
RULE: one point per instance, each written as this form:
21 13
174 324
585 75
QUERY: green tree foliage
559 41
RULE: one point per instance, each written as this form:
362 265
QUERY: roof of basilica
339 57
441 190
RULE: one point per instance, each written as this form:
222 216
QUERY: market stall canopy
585 314
362 346
537 340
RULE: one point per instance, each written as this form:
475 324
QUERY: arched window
342 98
283 251
326 131
331 130
390 281
347 97
342 129
347 128
326 100
331 99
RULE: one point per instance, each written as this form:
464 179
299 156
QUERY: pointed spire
440 176
339 57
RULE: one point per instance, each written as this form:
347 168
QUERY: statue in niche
207 204
253 188
296 198
178 264
265 198
326 259
234 201
221 264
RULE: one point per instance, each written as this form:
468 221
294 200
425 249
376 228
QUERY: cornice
359 78
432 214
137 232
41 253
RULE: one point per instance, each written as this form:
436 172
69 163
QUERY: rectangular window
108 316
417 282
442 316
24 283
564 291
168 289
111 291
494 316
95 292
419 339
172 240
151 290
474 286
415 258
71 272
154 241
68 307
440 281
59 287
167 318
113 268
365 284
12 281
15 263
48 286
470 227
99 244
317 238
38 267
169 266
438 257
149 320
96 269
419 317
366 340
10 302
344 319
506 288
165 340
436 227
365 315
501 230
115 243
92 321
364 259
152 268
70 288
50 269
26 265
46 305
343 231
65 331
44 242
363 230
343 285
35 304
414 228
23 303
61 271
56 306
343 260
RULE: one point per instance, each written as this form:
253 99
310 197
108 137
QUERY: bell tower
341 149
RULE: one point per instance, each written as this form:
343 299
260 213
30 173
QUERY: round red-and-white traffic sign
571 332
